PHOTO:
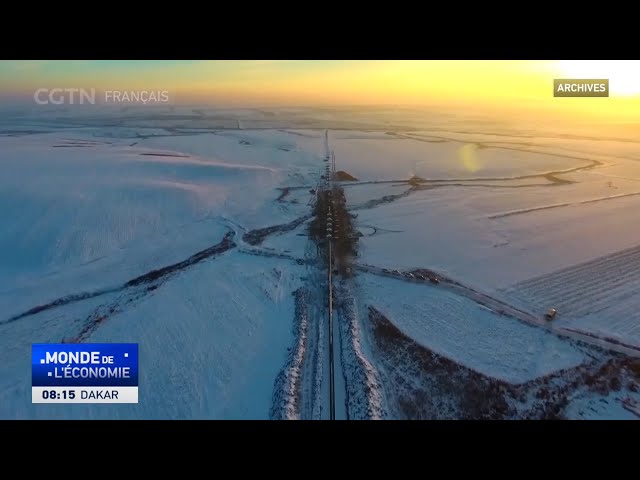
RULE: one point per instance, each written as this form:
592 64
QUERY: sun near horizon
482 84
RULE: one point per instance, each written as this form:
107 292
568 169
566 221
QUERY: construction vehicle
551 314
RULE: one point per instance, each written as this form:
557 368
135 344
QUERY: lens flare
468 155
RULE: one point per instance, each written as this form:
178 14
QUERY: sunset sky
493 83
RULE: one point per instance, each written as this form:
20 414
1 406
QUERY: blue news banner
84 373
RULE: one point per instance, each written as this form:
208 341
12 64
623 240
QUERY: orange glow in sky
472 83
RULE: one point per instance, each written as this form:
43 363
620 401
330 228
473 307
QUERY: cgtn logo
84 373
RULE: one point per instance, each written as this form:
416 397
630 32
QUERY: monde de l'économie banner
84 373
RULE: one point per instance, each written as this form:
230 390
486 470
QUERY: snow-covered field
373 159
100 215
598 296
494 234
89 202
599 407
88 209
472 335
211 342
450 229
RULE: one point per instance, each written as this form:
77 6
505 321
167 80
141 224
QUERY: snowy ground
100 215
211 341
419 382
373 159
359 195
598 296
92 200
468 333
601 407
494 235
502 215
88 209
449 228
